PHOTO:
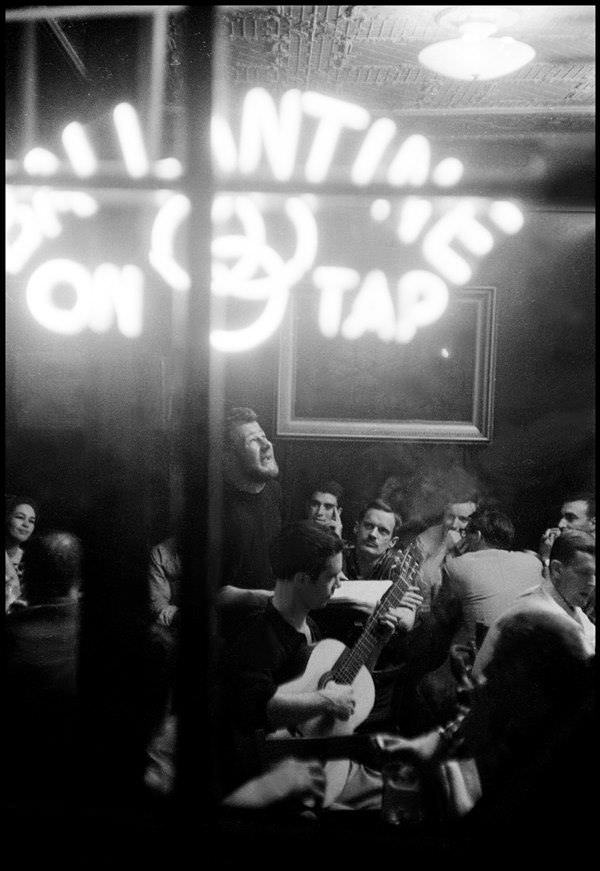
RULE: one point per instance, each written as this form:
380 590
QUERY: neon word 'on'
99 297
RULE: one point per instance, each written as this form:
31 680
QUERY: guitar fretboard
351 660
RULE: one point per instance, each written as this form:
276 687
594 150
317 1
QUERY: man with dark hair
578 511
485 579
488 528
443 541
252 515
324 505
571 581
41 701
457 514
477 587
520 758
54 560
373 556
273 648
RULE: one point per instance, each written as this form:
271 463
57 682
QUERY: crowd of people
472 669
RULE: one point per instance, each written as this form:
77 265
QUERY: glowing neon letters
264 129
99 296
245 265
421 299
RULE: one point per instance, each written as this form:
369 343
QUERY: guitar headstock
416 551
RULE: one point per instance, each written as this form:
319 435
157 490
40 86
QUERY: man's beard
260 473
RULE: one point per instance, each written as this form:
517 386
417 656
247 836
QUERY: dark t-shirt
268 652
250 523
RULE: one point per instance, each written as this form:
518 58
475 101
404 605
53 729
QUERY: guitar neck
370 642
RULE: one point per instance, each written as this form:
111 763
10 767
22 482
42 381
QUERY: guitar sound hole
324 679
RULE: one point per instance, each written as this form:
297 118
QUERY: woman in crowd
20 519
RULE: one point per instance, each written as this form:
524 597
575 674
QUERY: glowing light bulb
476 55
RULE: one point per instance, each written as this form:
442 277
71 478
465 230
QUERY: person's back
487 578
529 738
41 692
477 588
487 582
572 577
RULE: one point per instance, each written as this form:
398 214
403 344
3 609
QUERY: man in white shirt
571 581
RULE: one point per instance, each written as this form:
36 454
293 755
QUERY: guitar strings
350 661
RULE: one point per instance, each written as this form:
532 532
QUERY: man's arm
234 597
293 709
486 651
394 626
429 643
290 778
160 589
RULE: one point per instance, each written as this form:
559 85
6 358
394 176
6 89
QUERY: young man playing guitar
272 680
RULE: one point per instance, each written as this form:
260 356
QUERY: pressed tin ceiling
369 54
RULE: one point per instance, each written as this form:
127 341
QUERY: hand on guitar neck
402 616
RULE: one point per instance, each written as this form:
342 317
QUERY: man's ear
555 568
394 541
301 577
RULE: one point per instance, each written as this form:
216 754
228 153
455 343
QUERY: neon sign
244 265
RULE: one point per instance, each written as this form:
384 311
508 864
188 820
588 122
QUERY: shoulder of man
465 562
257 627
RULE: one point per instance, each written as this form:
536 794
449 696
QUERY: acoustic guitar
331 660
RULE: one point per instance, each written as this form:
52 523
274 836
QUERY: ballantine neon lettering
244 265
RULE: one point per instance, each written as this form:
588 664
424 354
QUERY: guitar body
322 660
331 657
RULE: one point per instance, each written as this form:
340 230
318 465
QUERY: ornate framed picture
439 386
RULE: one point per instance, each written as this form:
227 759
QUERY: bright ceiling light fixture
476 55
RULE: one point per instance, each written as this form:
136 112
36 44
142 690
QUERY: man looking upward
252 512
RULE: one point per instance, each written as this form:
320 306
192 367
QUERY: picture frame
444 378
